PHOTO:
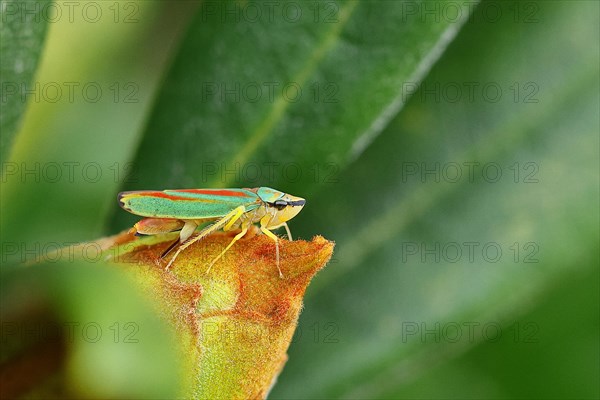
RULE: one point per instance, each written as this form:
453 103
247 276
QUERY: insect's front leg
287 229
264 223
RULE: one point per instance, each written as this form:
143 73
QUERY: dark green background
352 340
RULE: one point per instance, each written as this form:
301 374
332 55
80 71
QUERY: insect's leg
235 239
233 215
287 229
188 228
263 227
231 222
171 247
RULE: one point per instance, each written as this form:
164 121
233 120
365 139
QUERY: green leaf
91 135
404 226
22 32
287 99
76 328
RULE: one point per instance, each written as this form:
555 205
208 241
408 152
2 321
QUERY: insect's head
286 208
281 206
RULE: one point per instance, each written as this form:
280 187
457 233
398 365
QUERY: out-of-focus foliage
497 151
73 330
541 213
21 38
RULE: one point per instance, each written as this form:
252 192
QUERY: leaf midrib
265 129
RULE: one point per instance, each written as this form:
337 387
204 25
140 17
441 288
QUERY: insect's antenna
168 250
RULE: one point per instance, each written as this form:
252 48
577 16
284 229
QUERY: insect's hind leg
233 216
235 239
171 247
188 229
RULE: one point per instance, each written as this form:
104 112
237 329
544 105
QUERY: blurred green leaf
22 31
307 86
551 335
73 149
541 134
82 329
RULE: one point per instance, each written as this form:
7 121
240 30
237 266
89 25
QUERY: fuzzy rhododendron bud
234 323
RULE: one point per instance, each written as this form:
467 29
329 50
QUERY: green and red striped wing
187 203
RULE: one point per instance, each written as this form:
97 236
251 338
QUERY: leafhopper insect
184 210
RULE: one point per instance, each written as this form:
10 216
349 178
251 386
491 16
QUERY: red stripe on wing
215 192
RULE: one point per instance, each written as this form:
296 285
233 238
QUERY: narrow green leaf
23 27
285 99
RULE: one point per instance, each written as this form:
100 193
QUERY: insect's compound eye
280 204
